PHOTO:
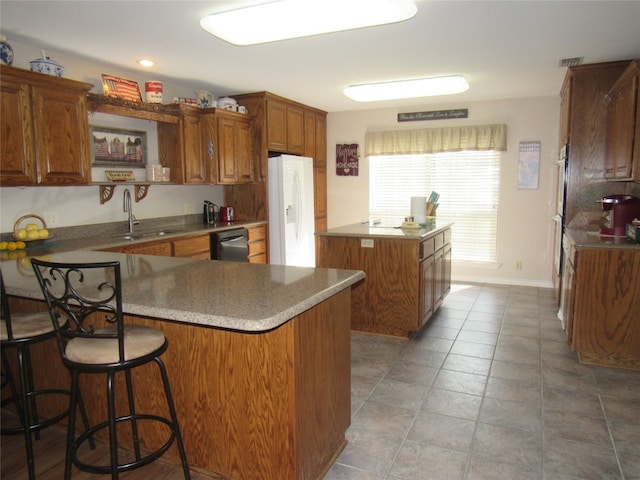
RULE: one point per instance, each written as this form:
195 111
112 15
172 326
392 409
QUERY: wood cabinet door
162 249
243 140
438 279
276 126
446 270
61 131
225 151
621 130
310 135
427 275
285 127
193 247
295 130
234 149
257 244
16 135
320 191
195 137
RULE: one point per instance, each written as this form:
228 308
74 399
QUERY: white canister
154 173
153 91
166 174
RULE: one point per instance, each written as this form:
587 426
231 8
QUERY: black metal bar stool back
85 304
19 331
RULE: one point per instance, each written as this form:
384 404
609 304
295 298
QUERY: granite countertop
231 295
385 231
593 239
100 236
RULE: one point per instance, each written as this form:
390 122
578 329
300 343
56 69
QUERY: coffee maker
619 210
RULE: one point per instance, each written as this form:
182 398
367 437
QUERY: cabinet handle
210 150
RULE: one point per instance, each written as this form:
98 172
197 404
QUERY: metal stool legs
115 467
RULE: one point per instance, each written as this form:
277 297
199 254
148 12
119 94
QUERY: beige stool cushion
138 341
27 325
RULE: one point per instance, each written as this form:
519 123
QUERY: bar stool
78 294
20 331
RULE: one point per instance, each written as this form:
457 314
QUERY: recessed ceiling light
421 87
146 63
284 19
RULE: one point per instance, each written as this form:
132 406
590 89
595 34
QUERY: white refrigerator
291 218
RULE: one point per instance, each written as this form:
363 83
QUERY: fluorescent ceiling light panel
283 19
421 87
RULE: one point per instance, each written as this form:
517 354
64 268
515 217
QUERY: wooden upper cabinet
565 110
285 127
197 153
44 130
233 148
208 146
623 127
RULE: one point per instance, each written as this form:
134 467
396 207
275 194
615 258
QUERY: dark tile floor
488 390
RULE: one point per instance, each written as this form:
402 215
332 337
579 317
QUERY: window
468 183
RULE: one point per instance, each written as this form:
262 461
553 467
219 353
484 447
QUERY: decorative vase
6 52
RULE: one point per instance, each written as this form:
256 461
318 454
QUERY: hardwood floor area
49 461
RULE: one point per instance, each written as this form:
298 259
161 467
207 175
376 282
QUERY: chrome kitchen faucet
127 207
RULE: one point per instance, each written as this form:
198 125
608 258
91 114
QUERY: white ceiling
505 49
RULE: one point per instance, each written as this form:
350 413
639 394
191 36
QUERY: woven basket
22 221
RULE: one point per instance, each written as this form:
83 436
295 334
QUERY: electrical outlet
189 208
366 242
519 265
50 218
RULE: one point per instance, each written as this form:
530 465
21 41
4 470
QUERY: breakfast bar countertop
230 295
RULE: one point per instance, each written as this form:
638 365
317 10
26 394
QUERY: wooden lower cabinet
162 249
257 244
252 406
601 305
406 278
193 247
190 247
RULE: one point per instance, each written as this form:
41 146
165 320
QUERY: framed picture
116 87
113 147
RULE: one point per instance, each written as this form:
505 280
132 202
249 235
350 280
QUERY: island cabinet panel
406 278
44 130
252 406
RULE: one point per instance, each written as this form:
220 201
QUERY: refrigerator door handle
297 194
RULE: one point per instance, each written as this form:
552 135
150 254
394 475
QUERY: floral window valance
436 140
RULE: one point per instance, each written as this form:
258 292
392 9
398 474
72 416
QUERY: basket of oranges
27 230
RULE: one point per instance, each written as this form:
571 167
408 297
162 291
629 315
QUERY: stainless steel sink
148 234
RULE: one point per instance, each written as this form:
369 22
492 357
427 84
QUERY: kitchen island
408 273
258 358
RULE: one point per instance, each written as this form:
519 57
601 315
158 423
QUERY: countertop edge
592 239
365 230
244 325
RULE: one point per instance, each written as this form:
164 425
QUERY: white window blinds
468 183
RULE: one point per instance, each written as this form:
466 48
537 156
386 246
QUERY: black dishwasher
230 245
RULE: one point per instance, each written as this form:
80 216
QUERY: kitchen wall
73 206
525 226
